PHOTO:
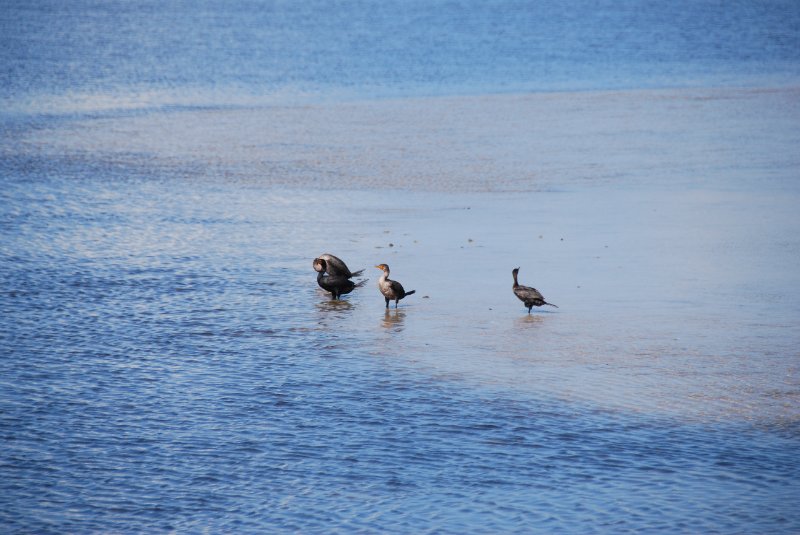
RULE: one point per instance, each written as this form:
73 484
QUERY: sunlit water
168 363
88 56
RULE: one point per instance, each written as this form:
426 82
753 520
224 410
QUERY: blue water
49 49
168 364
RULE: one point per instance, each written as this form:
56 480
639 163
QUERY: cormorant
336 267
337 285
391 290
530 297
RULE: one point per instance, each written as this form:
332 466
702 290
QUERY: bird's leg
387 302
396 301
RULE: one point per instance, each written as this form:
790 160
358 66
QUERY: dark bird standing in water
530 297
391 290
335 266
337 285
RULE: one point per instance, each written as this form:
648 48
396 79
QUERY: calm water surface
89 55
167 362
170 365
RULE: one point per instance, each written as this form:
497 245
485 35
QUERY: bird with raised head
337 285
391 290
530 297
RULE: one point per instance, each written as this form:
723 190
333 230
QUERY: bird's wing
397 288
336 265
526 292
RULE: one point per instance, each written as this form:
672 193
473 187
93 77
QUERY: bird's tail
357 273
359 284
411 292
551 304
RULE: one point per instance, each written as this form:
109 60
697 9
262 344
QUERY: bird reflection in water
333 310
529 321
393 319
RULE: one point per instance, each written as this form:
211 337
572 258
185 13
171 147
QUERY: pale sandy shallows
471 143
663 223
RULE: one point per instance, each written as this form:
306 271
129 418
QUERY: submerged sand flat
663 223
659 138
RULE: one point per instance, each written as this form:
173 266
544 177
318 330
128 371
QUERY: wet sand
663 223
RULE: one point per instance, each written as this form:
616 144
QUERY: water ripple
168 364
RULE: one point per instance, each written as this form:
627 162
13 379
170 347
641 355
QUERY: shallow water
168 363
